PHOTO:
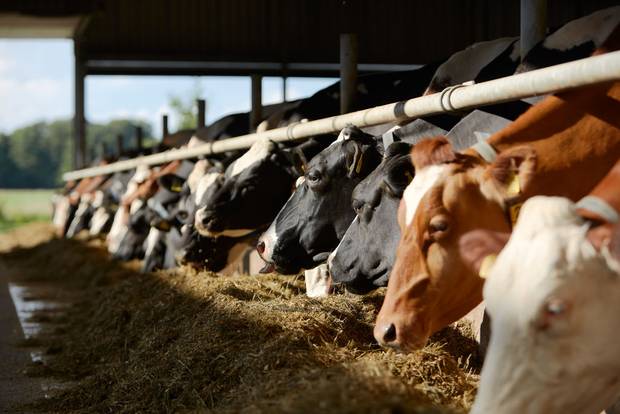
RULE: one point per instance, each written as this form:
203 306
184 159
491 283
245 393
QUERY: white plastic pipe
582 72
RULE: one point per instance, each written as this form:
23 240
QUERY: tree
185 108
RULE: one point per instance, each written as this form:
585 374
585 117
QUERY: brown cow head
452 194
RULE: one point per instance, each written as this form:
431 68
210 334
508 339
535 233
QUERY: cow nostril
260 247
389 334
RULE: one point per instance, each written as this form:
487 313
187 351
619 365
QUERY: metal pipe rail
557 78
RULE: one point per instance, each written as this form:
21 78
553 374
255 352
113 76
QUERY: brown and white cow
563 146
553 295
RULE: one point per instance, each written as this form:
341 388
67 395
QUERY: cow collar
600 207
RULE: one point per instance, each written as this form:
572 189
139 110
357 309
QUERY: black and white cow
316 216
364 258
577 39
254 188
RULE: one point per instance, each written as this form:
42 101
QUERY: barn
335 252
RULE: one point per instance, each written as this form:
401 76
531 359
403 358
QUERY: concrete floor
15 388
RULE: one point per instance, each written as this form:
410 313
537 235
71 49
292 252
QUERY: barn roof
270 37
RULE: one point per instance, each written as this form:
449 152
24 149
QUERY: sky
36 83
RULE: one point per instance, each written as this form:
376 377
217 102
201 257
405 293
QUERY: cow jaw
556 359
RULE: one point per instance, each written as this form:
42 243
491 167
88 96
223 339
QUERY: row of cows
424 208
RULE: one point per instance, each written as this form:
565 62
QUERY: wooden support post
104 149
257 101
283 88
139 137
348 71
79 120
119 144
202 110
533 24
164 126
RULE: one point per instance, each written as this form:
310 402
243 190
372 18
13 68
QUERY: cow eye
438 226
314 176
182 215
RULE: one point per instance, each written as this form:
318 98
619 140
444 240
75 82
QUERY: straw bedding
182 341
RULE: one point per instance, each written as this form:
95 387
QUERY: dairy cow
552 296
453 193
253 189
577 39
366 253
316 216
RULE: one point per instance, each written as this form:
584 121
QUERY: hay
178 341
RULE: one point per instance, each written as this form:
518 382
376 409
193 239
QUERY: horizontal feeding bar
582 72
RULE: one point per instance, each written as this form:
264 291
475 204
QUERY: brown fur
575 139
432 151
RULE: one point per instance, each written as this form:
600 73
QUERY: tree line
35 156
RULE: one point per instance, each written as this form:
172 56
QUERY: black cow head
131 244
253 189
318 213
366 253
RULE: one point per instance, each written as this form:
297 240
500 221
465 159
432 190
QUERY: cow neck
560 122
602 205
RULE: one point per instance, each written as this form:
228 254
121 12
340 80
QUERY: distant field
24 206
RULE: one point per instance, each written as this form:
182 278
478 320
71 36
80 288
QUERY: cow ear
513 169
171 182
432 151
479 248
607 236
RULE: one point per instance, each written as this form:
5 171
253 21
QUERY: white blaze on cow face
121 218
554 309
173 244
421 183
61 212
318 281
154 237
98 221
204 184
200 169
260 150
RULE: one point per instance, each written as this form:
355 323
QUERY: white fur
421 183
572 365
596 26
121 218
61 212
318 281
154 237
98 221
79 213
200 169
173 243
333 254
258 151
204 184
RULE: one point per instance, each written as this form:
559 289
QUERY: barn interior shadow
179 340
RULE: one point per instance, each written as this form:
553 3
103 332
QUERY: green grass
18 207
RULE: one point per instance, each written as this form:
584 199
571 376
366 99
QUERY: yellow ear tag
486 265
408 176
514 211
358 167
514 185
176 188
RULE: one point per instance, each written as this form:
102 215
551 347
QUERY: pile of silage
180 341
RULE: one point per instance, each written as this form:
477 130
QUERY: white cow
554 303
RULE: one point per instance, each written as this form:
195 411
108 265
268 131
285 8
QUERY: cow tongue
268 268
